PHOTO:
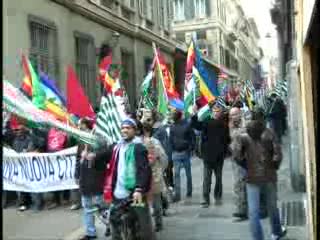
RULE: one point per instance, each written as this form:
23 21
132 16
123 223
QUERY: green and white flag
189 94
109 119
281 89
204 113
191 91
146 91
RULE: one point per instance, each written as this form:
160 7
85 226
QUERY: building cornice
107 18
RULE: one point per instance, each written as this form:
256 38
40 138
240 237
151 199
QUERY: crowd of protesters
156 150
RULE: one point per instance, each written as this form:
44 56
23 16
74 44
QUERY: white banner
39 172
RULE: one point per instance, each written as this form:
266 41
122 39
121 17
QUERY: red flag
77 102
104 66
27 80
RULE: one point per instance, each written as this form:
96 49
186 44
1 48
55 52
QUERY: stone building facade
55 33
223 33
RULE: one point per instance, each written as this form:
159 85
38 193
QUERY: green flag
38 94
162 100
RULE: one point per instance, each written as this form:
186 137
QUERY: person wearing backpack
182 140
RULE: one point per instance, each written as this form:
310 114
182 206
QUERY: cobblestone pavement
186 220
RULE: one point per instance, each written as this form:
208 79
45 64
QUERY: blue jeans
88 202
253 194
182 160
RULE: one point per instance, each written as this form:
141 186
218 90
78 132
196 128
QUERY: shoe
75 206
158 227
240 217
86 237
204 204
283 234
22 208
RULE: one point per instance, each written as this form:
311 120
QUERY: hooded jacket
259 146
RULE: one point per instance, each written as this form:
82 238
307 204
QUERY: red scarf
107 190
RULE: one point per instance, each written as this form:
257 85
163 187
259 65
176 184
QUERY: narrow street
186 220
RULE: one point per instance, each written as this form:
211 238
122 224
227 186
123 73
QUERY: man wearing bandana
129 176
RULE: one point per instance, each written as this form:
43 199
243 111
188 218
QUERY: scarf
130 170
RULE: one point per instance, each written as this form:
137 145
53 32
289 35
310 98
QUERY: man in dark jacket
215 141
89 175
261 149
182 140
128 176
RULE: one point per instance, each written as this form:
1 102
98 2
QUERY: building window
169 16
178 10
44 47
85 62
107 3
161 13
126 13
200 8
129 3
146 9
127 76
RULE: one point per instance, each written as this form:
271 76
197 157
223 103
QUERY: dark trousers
215 167
24 199
75 196
168 177
59 196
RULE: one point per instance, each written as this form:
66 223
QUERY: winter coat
91 179
158 165
215 139
182 137
143 172
260 148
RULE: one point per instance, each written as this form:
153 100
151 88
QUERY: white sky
260 11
